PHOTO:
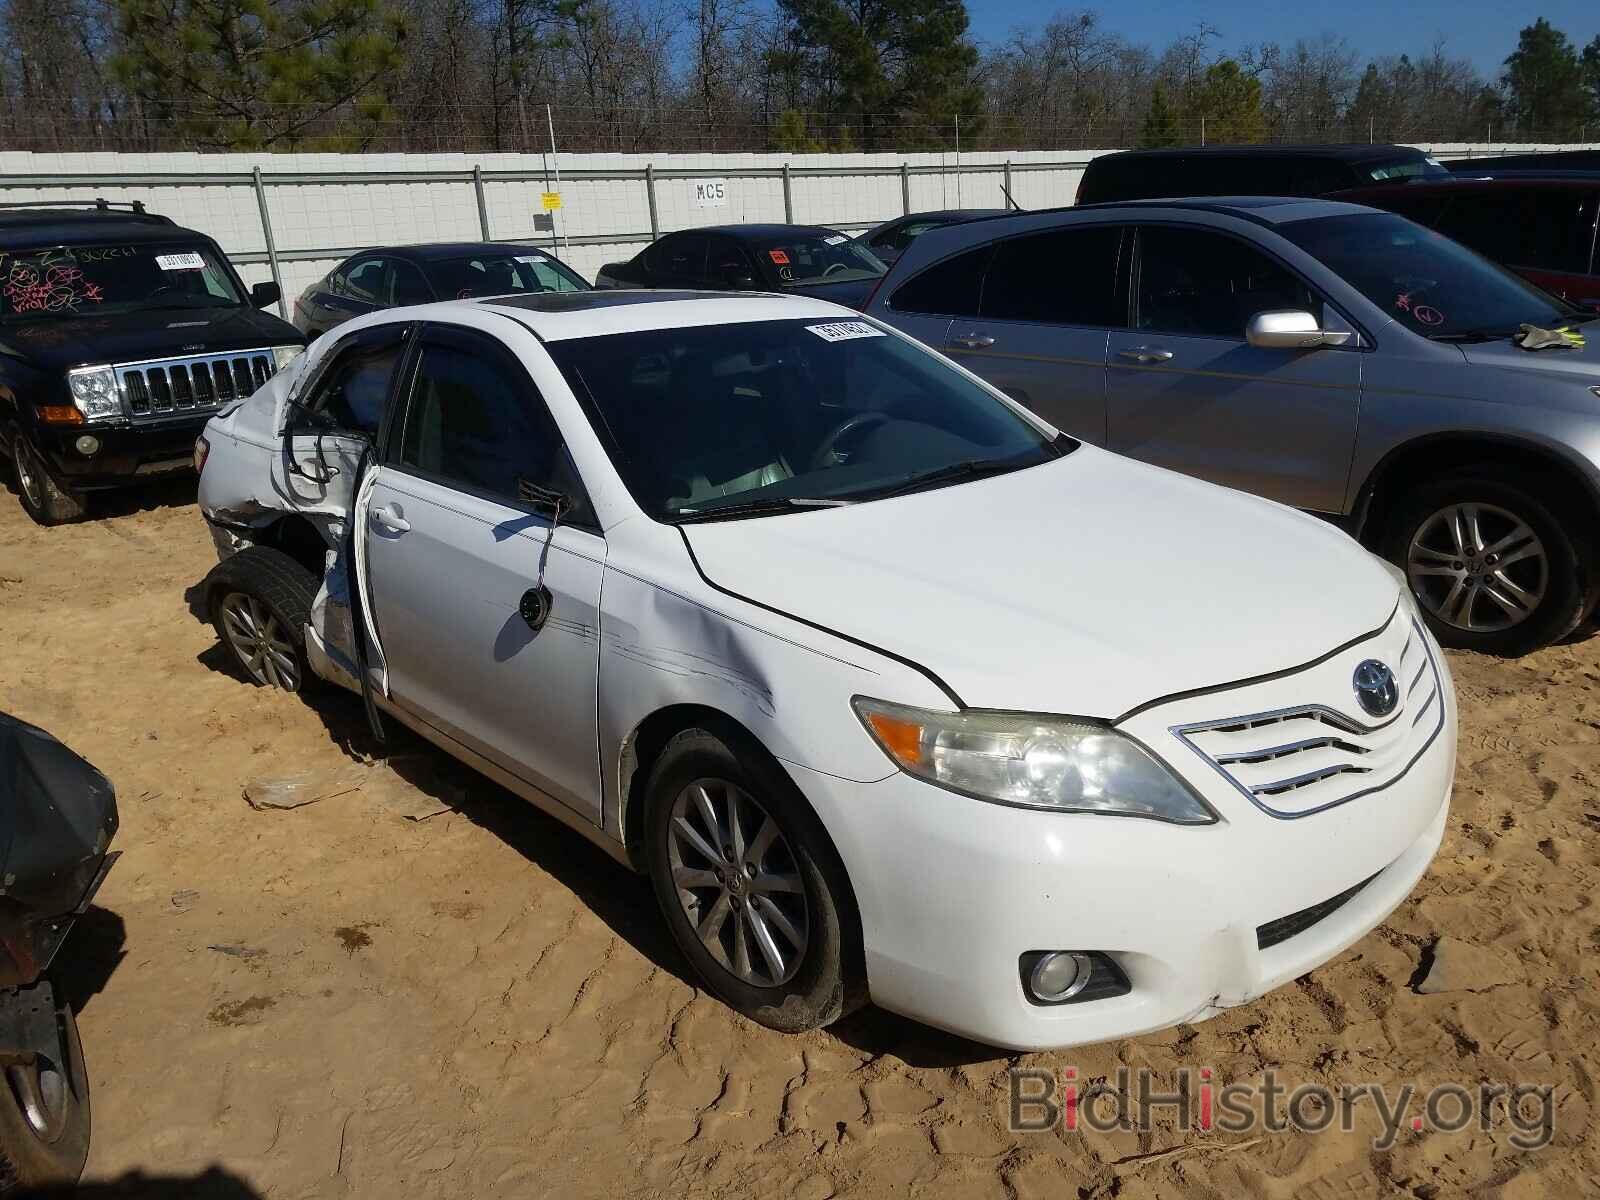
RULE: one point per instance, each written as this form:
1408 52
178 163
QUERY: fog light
88 445
1059 976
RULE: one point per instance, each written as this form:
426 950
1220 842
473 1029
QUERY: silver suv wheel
1478 567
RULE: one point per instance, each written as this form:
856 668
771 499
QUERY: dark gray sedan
400 275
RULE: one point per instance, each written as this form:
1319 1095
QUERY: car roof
1262 210
1496 181
1356 153
758 232
560 316
434 251
23 228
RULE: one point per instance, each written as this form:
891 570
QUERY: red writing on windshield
28 289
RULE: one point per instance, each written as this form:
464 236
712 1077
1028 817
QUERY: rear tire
44 1117
43 499
1492 568
793 890
260 601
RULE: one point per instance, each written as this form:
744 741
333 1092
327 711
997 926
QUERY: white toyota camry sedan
893 690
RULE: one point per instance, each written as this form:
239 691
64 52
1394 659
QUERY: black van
121 333
1250 171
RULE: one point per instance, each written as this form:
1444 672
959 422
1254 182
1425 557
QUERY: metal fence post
650 195
905 189
483 205
272 247
1009 200
788 197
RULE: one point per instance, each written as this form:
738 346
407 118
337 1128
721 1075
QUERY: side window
368 281
681 257
951 288
727 260
409 286
474 419
1208 285
352 394
1063 277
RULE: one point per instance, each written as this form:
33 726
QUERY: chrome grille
1296 761
172 387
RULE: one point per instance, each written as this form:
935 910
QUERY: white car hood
1086 586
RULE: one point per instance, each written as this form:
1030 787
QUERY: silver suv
1336 358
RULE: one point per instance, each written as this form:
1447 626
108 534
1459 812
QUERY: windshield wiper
756 508
956 472
1470 335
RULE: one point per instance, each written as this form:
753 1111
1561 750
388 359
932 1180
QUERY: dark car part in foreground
121 333
57 818
401 275
808 260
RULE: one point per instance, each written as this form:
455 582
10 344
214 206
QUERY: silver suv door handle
972 341
1145 354
391 520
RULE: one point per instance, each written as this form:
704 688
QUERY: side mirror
1290 329
264 294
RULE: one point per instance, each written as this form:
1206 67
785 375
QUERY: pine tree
1160 126
243 74
1544 83
1229 99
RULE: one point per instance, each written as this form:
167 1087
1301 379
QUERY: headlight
1031 762
282 356
94 391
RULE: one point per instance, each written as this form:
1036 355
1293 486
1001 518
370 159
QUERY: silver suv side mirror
1290 329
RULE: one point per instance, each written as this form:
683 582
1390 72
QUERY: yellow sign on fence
552 200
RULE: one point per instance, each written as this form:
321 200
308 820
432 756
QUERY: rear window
819 258
1408 168
508 274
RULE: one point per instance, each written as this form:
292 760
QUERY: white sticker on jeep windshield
837 239
181 262
844 331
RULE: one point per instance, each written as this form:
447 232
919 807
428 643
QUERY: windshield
1430 284
506 274
1408 168
819 258
73 281
777 414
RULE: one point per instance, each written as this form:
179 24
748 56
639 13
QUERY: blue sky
1479 30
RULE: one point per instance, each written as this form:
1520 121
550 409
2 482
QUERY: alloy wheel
1478 567
738 882
28 478
260 641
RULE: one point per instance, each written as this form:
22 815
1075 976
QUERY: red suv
1540 225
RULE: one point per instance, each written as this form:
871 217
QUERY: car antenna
1010 199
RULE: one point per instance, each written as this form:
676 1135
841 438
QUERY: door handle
389 518
972 341
1145 354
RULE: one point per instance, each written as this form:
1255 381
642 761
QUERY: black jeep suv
121 333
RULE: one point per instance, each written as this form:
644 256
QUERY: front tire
749 884
43 499
1492 568
260 605
44 1116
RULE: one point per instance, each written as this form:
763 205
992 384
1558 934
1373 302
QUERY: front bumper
952 891
127 454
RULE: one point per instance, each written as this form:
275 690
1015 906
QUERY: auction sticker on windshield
843 331
180 262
